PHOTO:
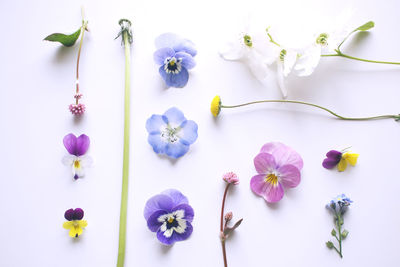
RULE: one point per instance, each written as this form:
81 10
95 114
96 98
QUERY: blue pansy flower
170 216
171 133
175 57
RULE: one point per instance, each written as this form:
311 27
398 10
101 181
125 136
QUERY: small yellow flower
216 106
347 157
75 227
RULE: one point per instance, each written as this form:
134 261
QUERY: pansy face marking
172 222
173 65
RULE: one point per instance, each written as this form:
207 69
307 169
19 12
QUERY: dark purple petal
82 145
188 210
332 159
152 223
175 236
70 143
69 214
158 202
78 214
177 197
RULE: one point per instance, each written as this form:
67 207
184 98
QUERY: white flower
285 62
78 164
253 49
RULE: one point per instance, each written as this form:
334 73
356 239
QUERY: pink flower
278 166
231 178
77 109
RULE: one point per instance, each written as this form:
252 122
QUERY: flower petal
271 193
257 66
70 143
351 158
161 54
158 202
264 163
167 40
232 51
154 124
68 225
187 60
176 150
174 80
86 161
186 46
177 197
78 214
69 214
342 165
281 79
330 163
152 222
175 116
334 154
75 231
188 132
289 61
68 160
159 146
188 210
82 145
308 61
283 154
175 236
289 176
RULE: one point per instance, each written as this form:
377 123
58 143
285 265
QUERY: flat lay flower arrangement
277 167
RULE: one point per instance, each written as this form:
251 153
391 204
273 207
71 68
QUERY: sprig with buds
225 230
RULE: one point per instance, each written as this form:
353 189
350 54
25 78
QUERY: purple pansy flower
171 133
332 159
175 57
278 166
77 148
170 216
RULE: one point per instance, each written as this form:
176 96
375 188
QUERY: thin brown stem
223 207
224 253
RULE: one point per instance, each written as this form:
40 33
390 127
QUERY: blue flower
175 57
170 215
339 204
171 133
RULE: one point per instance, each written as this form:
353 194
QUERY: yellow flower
347 157
75 227
216 106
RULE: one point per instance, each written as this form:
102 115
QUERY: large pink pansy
278 166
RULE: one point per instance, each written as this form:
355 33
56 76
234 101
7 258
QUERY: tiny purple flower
77 148
170 216
278 166
171 133
339 204
175 57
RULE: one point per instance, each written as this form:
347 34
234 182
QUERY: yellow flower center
272 179
171 219
77 164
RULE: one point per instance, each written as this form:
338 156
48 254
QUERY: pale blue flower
171 133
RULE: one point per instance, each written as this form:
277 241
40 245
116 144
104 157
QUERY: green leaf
345 233
366 26
66 40
329 244
333 233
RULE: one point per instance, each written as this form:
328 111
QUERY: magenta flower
231 178
77 148
278 167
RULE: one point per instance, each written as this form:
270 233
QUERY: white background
37 85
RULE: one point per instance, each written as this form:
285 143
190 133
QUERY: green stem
125 169
83 28
339 226
396 117
340 54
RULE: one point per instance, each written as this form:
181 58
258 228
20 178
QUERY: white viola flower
76 159
253 49
285 62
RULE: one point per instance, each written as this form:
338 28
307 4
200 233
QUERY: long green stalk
125 168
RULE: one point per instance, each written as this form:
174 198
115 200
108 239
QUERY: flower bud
228 216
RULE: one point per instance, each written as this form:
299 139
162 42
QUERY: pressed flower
74 223
339 159
251 48
77 148
216 106
171 133
170 216
231 179
175 57
278 167
338 206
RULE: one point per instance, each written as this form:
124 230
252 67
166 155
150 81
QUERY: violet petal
175 236
177 197
264 162
290 176
82 145
188 211
152 223
70 143
78 214
158 202
69 214
283 154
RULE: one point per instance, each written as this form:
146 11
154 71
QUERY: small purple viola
170 216
278 166
77 148
74 222
175 56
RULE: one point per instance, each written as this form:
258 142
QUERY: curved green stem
396 117
125 168
340 54
83 28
